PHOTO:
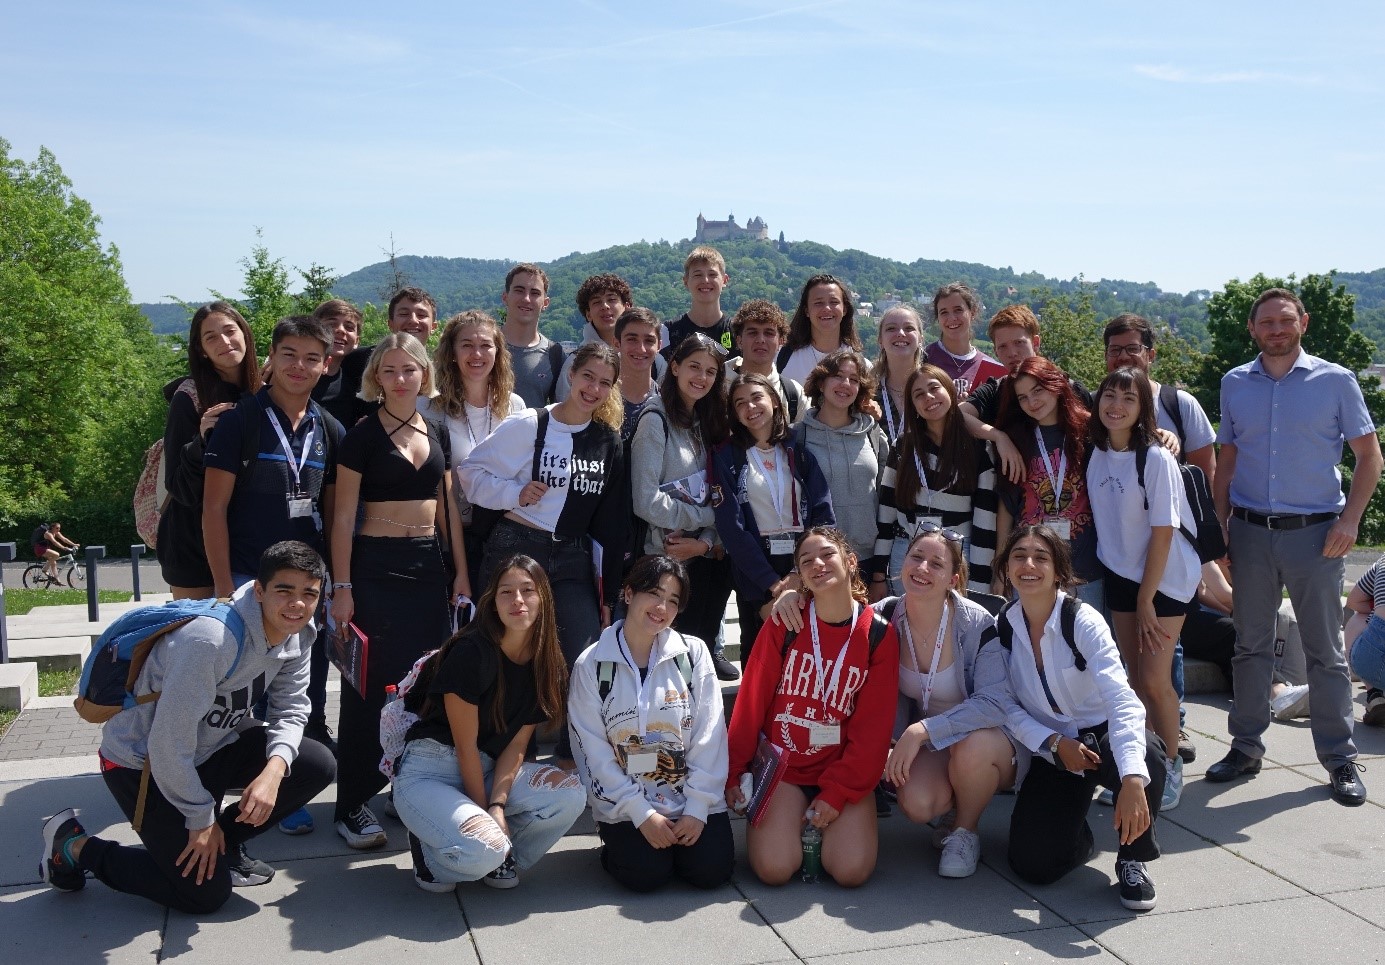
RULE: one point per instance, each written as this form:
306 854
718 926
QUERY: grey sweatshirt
198 711
852 459
657 457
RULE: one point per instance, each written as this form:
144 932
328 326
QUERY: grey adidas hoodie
199 711
852 459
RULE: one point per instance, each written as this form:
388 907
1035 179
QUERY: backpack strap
605 676
799 431
1141 458
782 359
879 624
684 664
794 396
539 436
250 414
1168 401
1067 621
556 359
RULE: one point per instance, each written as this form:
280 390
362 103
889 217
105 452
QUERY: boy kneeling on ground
197 748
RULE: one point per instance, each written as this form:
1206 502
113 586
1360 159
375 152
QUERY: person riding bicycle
50 543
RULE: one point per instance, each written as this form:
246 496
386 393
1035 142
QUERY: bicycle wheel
77 575
34 576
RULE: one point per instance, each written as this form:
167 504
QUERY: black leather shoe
1346 785
726 670
1235 764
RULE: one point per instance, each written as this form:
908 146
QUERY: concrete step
51 653
18 685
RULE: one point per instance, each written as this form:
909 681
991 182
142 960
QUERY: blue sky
1180 143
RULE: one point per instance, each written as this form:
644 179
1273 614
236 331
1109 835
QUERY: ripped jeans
460 841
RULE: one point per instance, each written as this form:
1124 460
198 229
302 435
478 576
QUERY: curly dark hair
600 285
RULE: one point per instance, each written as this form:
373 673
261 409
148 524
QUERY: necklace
470 430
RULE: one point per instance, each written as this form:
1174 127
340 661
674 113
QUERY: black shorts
1122 595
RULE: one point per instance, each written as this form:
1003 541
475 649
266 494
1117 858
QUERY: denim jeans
460 841
1368 653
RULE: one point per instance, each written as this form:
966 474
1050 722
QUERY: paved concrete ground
1266 870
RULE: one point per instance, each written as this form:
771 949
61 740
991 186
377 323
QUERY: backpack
606 674
483 518
879 623
1207 538
1168 401
151 495
1067 621
250 411
793 395
556 358
108 676
396 719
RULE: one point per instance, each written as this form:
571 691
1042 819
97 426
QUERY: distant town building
728 230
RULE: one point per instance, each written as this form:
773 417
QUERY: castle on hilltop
728 230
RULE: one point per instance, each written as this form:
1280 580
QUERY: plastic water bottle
811 869
391 693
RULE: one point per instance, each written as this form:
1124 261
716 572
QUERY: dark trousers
151 871
705 609
748 603
639 866
1049 833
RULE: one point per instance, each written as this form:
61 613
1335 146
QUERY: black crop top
386 473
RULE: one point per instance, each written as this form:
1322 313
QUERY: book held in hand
349 649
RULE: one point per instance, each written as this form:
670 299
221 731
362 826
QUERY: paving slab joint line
1354 914
788 945
1015 933
163 937
461 906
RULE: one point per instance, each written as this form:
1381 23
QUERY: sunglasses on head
933 529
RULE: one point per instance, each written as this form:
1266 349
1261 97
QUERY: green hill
761 269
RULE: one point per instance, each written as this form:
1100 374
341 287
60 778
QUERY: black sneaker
1347 787
422 876
1137 887
57 866
246 872
882 802
506 876
361 830
726 670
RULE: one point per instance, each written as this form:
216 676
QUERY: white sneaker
361 830
1106 796
961 851
1290 703
1173 784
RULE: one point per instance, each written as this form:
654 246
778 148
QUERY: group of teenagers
955 576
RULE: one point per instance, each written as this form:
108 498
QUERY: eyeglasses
1129 351
703 340
933 529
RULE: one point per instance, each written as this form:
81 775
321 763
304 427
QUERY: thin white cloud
1183 75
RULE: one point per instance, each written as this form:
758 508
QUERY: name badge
300 508
781 547
1062 527
641 762
925 521
821 735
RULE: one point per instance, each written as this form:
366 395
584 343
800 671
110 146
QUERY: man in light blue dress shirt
1285 415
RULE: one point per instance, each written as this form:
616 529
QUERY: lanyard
776 484
823 688
644 697
296 469
937 655
925 495
890 428
1062 474
470 429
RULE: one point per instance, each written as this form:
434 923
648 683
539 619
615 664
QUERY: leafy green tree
1071 332
79 397
317 287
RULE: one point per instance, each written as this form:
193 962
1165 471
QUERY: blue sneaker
299 822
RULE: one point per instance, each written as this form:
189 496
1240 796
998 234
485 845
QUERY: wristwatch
1053 743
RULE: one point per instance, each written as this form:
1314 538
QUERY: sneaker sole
296 829
502 884
1139 904
50 834
1298 709
250 881
434 887
960 872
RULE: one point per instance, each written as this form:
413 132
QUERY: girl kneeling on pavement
475 809
650 740
826 698
1068 701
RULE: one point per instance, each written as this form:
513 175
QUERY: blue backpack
108 677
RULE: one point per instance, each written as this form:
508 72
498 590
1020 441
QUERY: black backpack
1067 621
1207 538
879 623
250 411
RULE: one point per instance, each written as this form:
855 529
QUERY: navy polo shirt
258 515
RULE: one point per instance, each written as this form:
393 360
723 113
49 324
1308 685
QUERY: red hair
1072 414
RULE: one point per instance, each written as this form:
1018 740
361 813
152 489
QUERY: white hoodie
690 729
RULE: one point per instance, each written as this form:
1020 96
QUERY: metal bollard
136 551
7 551
94 553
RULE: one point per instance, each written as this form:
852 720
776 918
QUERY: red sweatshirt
780 697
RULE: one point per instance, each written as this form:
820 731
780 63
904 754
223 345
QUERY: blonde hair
370 379
501 382
611 412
